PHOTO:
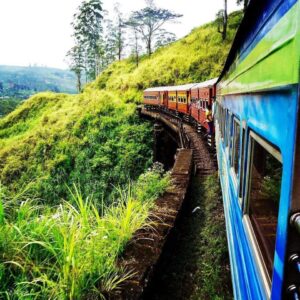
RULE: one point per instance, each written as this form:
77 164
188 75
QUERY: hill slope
95 138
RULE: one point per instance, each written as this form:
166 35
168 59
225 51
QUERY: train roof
207 83
182 88
157 89
178 88
251 29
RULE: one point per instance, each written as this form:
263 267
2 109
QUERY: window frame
228 127
254 244
235 175
243 162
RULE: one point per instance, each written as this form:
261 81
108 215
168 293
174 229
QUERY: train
255 108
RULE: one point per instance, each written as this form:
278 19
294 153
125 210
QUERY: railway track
144 250
183 243
204 159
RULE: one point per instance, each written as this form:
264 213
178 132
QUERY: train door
188 101
165 99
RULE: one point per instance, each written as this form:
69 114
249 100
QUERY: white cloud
39 31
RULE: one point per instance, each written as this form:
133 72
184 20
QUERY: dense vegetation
53 140
7 105
70 251
58 243
22 82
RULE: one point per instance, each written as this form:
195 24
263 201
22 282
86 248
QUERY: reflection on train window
227 129
236 146
263 197
222 120
242 162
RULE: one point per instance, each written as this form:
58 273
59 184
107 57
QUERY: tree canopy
149 20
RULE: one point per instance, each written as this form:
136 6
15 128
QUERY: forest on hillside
23 82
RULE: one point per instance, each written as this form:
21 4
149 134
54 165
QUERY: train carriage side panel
258 104
151 98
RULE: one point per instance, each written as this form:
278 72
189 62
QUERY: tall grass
70 251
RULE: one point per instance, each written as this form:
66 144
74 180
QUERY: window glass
242 163
236 147
263 199
221 120
227 129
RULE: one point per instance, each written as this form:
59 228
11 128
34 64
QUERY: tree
87 27
222 20
164 38
76 63
244 2
119 33
111 43
148 21
135 46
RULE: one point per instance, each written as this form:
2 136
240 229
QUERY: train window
264 175
224 122
219 118
242 163
236 146
227 129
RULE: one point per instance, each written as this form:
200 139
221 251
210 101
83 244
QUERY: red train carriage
157 96
202 96
152 97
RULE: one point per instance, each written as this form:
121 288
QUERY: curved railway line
252 112
143 253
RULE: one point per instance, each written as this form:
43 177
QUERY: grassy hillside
54 140
60 241
197 57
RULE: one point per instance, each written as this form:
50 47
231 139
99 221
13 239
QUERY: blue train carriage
258 147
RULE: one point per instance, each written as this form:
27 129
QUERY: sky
39 31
